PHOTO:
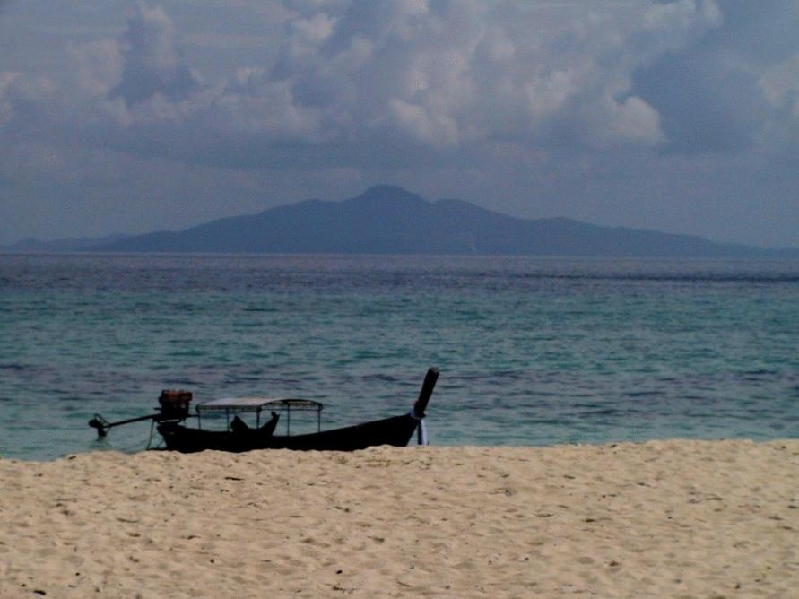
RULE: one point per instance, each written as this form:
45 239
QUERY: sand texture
657 519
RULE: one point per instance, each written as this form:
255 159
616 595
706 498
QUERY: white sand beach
657 519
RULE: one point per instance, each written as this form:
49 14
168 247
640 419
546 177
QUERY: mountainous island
390 220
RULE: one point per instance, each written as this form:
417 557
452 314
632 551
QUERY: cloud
152 62
6 80
437 75
725 90
448 73
23 100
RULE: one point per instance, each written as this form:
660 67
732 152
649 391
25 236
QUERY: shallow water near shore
532 351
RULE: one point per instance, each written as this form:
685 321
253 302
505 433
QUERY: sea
532 351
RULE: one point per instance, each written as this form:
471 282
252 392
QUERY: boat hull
396 431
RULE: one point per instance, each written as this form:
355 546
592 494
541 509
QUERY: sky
127 116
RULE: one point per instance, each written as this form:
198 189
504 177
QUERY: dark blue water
531 351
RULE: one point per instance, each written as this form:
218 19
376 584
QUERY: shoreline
656 518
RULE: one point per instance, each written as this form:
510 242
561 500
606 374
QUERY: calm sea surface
531 351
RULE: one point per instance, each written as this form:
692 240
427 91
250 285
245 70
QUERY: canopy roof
257 404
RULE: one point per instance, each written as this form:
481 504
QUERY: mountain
36 246
391 220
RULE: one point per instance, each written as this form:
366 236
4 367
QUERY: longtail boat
238 436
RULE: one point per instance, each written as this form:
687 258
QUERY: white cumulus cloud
434 74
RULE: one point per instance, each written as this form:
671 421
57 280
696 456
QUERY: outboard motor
174 404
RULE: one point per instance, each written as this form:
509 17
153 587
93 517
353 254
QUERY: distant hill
36 246
391 220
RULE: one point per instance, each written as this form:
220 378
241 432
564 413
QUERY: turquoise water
531 351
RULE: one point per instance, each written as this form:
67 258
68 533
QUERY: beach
672 518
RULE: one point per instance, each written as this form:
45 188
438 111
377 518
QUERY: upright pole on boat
429 383
421 404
